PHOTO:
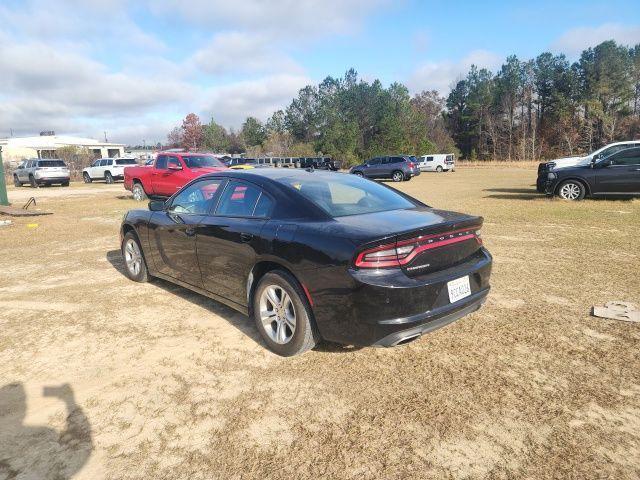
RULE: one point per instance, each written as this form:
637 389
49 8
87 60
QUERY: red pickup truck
170 172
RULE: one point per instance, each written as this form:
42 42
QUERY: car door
229 238
372 168
168 175
621 173
173 231
22 171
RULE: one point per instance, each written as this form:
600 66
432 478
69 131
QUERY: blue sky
135 69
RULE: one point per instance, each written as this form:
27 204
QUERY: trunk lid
434 239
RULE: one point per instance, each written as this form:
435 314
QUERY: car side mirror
156 205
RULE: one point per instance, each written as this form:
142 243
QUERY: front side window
239 199
202 161
173 162
630 156
196 199
344 195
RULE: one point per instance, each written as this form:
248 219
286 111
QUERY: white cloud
231 104
312 18
242 52
441 76
578 39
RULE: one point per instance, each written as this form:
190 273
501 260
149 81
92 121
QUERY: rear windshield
344 194
51 163
126 161
200 161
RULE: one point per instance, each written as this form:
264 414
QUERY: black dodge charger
313 255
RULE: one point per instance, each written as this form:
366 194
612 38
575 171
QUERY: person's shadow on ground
31 452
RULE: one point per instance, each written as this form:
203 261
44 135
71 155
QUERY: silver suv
37 172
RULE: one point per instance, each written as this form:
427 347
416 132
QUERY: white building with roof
16 149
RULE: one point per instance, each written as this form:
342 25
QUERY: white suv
107 169
37 172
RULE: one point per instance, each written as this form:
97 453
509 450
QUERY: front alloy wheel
571 190
134 259
138 192
86 177
358 174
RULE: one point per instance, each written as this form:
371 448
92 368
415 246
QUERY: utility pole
3 186
105 137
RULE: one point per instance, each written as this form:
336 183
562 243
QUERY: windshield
344 194
126 161
51 163
200 161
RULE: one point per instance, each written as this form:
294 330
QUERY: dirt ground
164 383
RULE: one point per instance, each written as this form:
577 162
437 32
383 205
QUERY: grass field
169 384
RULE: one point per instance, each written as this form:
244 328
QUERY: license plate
459 289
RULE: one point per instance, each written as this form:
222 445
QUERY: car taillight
404 251
412 165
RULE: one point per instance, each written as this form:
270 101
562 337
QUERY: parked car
107 169
545 167
37 172
397 168
327 163
437 163
616 174
313 255
170 172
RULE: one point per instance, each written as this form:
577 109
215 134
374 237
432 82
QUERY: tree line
528 109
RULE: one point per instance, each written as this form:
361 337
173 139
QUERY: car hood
379 225
571 161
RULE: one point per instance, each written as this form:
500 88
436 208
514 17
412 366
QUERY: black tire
572 190
16 182
397 176
32 181
306 334
86 178
138 192
108 178
64 184
359 174
439 169
141 274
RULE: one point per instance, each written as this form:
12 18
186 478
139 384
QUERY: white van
440 162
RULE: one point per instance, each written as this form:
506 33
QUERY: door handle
246 237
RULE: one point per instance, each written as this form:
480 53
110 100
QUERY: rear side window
128 161
239 200
161 163
397 159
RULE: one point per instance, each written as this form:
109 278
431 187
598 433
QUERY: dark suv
616 174
397 168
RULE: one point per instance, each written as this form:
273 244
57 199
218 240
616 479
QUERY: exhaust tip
408 339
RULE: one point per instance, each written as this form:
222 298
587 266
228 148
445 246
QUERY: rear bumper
52 179
383 307
418 325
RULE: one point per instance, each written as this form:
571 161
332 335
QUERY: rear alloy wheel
283 315
138 192
108 178
571 190
439 169
16 182
358 174
397 176
32 181
86 178
65 184
135 264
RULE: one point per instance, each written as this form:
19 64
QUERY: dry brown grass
177 386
